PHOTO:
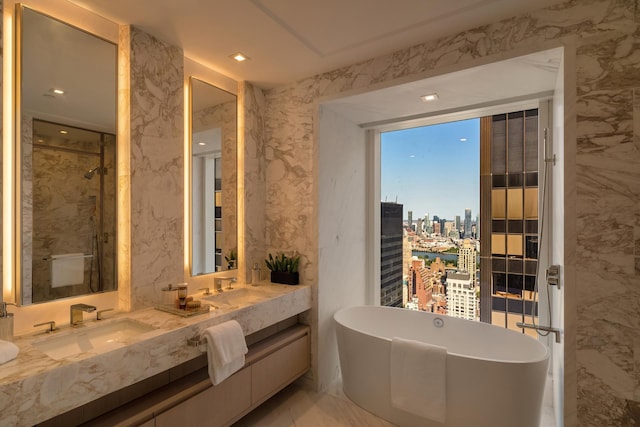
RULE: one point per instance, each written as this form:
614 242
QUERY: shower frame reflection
68 173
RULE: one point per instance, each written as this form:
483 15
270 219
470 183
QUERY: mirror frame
82 20
189 79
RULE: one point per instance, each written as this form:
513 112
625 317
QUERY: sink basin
237 297
96 338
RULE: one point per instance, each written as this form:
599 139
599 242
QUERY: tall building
467 223
467 259
410 220
461 296
391 237
458 225
509 246
428 228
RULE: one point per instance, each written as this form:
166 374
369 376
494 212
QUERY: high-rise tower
467 259
467 223
391 254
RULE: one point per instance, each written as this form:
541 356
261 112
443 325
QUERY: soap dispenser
6 322
255 274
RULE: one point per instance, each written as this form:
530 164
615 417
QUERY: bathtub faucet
555 331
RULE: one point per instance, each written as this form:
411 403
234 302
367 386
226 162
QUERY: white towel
8 351
418 378
67 269
226 348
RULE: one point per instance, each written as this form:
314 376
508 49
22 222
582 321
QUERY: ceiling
483 90
288 40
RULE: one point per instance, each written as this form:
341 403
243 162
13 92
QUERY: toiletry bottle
255 274
6 322
182 295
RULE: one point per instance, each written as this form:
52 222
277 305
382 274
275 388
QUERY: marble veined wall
252 127
157 166
602 161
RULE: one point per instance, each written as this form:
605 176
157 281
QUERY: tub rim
545 358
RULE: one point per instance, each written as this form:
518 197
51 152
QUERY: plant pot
285 277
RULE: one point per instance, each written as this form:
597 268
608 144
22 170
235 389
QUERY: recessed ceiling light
202 143
429 97
463 139
64 132
57 91
239 56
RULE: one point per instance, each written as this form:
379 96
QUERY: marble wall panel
26 129
157 166
606 35
254 177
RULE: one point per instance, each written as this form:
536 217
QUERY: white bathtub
494 377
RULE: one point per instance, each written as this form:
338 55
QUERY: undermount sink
237 297
97 338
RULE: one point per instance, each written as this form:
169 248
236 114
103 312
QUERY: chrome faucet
75 313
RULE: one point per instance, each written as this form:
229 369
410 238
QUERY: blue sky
433 169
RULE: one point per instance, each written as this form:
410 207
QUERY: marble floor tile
296 406
300 407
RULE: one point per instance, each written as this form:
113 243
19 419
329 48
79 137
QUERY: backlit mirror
213 178
66 155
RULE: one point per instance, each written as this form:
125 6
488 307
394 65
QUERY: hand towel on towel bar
418 378
8 351
67 269
226 348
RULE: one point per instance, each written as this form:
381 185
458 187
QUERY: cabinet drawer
278 369
214 406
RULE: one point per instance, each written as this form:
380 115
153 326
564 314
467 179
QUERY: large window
459 218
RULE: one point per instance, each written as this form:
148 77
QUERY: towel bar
71 257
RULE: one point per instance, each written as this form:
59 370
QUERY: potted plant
231 259
284 269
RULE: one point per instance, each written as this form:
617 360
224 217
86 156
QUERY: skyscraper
467 259
428 228
461 296
467 223
410 220
391 233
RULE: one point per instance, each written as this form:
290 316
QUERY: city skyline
446 153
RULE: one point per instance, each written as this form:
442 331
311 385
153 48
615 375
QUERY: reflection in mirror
67 159
213 179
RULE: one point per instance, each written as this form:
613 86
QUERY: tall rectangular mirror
213 121
66 158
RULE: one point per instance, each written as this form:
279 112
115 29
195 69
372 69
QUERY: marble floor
301 407
297 406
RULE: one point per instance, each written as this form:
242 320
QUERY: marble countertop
35 387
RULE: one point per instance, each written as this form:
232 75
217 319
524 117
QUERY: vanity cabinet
276 371
215 406
271 365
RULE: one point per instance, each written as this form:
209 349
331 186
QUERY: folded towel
8 351
67 269
226 348
418 378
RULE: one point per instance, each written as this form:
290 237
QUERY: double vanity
57 372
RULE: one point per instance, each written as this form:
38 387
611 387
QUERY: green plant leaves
282 262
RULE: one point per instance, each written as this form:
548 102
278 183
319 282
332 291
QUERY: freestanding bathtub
495 377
